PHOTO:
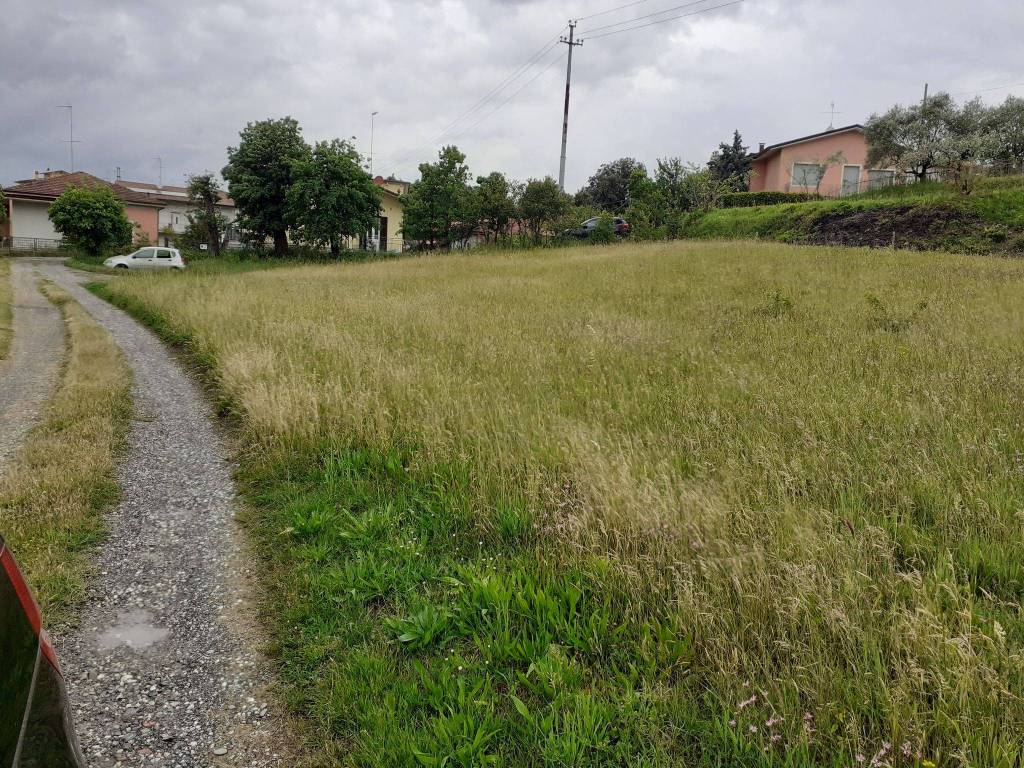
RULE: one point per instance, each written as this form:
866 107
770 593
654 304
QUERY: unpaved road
28 374
162 669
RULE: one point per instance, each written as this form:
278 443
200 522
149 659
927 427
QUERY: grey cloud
178 80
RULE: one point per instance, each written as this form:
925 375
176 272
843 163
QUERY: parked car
586 229
35 718
150 257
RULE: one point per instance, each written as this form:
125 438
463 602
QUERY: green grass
576 507
920 216
57 487
5 307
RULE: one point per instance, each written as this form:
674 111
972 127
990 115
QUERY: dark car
586 229
35 718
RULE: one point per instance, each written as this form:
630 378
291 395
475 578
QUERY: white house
174 214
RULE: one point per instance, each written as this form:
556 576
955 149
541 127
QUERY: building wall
146 221
175 216
775 173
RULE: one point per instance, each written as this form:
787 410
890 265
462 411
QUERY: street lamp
372 116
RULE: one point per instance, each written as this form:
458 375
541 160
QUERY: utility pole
565 118
71 133
372 116
924 101
160 183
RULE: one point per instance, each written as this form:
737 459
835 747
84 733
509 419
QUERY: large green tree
731 163
259 174
608 188
331 196
441 208
91 219
205 218
495 203
540 202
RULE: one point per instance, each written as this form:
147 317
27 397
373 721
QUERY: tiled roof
50 188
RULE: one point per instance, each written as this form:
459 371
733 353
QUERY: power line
645 16
519 90
612 10
484 100
663 21
986 90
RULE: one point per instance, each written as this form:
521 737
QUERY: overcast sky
177 79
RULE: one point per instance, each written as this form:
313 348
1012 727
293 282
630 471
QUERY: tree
909 138
608 188
731 163
204 218
707 189
495 203
331 196
540 202
440 208
259 174
92 219
1005 124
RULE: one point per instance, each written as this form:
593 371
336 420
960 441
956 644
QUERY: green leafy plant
91 219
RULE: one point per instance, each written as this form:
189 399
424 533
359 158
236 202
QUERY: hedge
750 199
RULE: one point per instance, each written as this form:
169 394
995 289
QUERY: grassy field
53 495
922 216
704 504
5 307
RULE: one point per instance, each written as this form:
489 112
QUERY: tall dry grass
811 459
55 491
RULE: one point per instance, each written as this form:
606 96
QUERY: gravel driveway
163 668
28 374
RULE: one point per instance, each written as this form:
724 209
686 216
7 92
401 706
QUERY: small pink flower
771 722
732 723
859 758
753 729
776 738
748 702
906 749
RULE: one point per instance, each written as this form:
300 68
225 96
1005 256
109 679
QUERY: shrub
750 199
604 232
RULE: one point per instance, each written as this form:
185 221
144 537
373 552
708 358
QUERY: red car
35 718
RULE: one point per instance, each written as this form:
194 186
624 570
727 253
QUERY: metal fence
12 244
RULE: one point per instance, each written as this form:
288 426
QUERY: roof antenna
832 112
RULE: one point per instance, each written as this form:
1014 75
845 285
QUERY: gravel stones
162 668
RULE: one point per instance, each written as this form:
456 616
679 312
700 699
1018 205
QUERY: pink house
836 157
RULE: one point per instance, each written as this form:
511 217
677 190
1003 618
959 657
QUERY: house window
807 174
175 218
879 179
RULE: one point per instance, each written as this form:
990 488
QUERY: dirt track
162 670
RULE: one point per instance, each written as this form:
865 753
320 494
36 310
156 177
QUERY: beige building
387 235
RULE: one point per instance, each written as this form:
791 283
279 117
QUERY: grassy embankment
920 216
56 488
5 307
721 504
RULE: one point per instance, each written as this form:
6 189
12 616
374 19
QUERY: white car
150 257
